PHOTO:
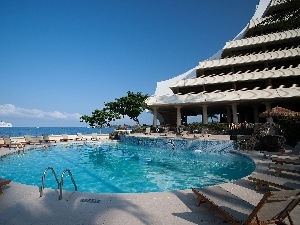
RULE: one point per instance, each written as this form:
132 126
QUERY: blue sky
61 59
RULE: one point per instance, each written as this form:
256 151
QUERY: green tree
100 118
212 117
131 105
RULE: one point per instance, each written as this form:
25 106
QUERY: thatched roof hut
279 112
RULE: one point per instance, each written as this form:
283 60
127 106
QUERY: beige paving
22 204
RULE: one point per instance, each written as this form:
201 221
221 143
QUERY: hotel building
256 71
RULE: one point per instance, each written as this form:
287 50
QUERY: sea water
38 131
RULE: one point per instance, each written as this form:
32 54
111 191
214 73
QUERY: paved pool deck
22 204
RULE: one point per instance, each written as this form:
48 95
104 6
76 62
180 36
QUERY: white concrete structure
257 70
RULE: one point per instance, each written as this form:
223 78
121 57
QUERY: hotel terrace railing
268 38
248 75
252 58
220 96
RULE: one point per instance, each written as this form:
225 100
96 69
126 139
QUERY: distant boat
3 124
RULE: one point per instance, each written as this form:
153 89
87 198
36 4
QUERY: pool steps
59 184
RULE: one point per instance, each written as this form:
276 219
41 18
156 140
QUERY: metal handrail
43 179
61 182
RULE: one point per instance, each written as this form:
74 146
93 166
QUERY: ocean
38 131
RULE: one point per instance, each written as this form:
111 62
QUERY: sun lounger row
238 211
45 138
289 165
29 140
10 143
281 202
33 141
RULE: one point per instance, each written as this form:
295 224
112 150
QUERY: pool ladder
59 184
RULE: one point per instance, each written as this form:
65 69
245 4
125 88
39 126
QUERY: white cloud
13 111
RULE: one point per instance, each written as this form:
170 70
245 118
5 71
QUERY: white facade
257 70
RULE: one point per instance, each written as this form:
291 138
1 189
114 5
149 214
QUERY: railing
43 179
61 182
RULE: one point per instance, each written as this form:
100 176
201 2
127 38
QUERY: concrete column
228 114
234 114
204 114
268 106
154 116
255 112
178 115
234 85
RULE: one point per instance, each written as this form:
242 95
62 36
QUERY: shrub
290 127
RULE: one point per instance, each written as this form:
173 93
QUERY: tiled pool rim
215 146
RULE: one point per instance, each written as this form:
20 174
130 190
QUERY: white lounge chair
80 137
94 137
30 141
204 132
65 138
46 138
184 133
148 131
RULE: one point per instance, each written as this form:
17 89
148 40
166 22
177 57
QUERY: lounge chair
262 179
274 206
147 131
204 132
65 138
94 137
184 133
9 143
295 152
279 168
29 140
46 138
80 137
2 183
291 161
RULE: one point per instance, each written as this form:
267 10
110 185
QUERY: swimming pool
118 167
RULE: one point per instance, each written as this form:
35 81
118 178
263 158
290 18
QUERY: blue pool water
119 167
